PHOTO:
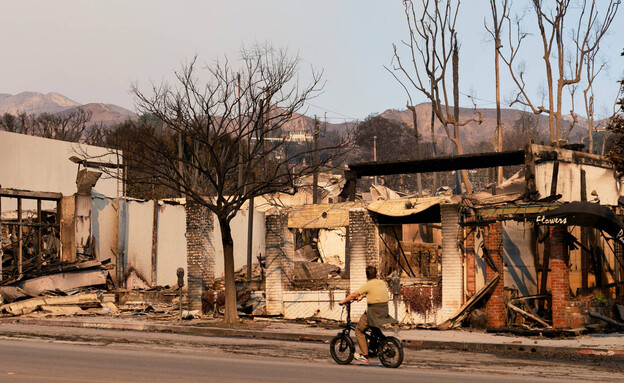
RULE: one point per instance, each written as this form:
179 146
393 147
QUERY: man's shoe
361 358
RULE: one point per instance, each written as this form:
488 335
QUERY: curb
512 347
289 336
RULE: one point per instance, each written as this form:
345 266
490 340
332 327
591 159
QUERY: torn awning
403 207
584 214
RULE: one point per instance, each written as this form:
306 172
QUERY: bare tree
64 126
568 32
14 124
616 126
199 135
592 69
433 53
495 32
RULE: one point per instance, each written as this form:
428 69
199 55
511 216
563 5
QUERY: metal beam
440 164
27 194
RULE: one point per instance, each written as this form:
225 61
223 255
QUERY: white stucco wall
104 226
518 250
239 225
569 182
41 164
171 244
332 244
137 246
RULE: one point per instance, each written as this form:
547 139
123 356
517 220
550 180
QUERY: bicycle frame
373 334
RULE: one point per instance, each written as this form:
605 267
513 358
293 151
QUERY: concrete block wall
363 251
321 304
452 267
280 249
496 309
200 252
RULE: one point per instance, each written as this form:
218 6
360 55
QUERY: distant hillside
104 114
54 103
302 122
32 102
474 133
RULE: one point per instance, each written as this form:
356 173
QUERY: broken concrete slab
30 305
109 308
64 281
61 310
13 293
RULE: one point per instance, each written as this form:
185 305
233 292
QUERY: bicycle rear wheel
342 349
391 352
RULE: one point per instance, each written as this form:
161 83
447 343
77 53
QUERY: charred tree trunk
231 311
457 140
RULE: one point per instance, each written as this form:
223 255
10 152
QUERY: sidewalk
608 345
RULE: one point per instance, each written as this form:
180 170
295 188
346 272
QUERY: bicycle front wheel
342 349
391 352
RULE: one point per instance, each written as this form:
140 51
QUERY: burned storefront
543 252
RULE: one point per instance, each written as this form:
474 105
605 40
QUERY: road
37 354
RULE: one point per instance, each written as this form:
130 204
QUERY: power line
331 111
477 98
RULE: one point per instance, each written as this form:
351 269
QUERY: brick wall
471 282
200 252
577 312
496 308
363 251
280 249
559 275
452 267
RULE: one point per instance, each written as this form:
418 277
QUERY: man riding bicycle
376 315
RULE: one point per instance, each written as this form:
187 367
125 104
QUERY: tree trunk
457 142
499 130
589 106
417 147
231 311
433 149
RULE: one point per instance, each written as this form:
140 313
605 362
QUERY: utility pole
315 198
375 156
240 145
266 141
243 188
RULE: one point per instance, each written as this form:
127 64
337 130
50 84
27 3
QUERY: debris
528 315
620 309
478 319
64 281
186 314
463 312
30 305
594 314
61 310
306 254
109 307
13 293
315 270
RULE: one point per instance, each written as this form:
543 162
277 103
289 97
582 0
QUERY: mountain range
54 103
109 114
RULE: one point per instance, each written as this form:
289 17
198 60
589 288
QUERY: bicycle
388 348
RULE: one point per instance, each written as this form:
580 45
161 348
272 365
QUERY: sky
92 51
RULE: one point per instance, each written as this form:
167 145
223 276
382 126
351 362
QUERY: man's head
371 272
